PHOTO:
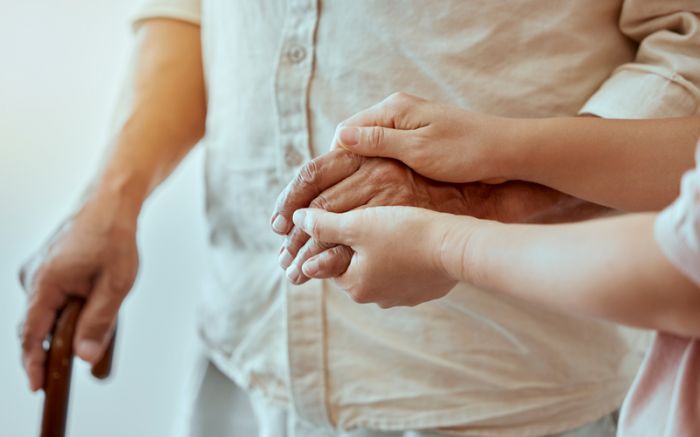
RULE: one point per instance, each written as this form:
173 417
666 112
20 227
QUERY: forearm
632 165
609 268
164 117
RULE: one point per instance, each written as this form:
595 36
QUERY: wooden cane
59 365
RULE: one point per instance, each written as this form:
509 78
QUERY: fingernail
88 350
298 218
310 267
349 136
280 224
293 274
286 259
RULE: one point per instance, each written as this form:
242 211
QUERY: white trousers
219 408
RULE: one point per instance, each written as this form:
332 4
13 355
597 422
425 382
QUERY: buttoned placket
305 325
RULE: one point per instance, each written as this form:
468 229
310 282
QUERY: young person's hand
441 142
397 252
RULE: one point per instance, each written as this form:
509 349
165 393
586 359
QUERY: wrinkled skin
89 256
340 181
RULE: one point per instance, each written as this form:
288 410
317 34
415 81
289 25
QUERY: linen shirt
664 400
281 74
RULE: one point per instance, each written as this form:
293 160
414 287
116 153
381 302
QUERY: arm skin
608 268
630 165
166 115
93 253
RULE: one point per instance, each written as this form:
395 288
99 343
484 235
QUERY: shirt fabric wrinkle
281 74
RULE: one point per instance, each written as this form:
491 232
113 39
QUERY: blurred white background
61 64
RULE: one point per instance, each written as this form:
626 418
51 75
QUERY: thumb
324 226
375 141
97 320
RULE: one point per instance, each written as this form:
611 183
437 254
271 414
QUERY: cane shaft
59 365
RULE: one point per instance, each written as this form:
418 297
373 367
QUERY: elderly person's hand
340 181
441 142
93 255
397 259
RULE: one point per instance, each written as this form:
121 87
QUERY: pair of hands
405 151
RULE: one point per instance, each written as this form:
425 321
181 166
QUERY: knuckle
315 229
400 102
399 97
343 252
321 202
119 285
29 337
309 174
388 172
295 241
375 137
97 326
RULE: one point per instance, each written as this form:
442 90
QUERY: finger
328 264
325 226
378 141
97 319
399 111
296 239
41 316
311 180
310 249
349 194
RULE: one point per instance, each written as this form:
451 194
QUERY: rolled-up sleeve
664 78
677 228
185 10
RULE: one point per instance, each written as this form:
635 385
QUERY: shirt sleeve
664 78
185 10
677 228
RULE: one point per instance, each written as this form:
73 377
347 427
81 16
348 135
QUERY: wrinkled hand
441 142
397 250
340 181
90 256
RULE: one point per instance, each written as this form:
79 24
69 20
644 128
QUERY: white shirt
281 75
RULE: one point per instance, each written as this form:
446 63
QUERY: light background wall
61 63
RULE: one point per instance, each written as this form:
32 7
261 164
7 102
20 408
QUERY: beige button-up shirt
281 75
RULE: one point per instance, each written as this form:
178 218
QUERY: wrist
117 197
512 147
542 144
454 244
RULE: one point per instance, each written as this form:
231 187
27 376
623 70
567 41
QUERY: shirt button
293 158
296 53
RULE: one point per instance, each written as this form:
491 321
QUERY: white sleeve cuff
635 91
184 10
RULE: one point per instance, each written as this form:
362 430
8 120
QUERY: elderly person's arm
93 254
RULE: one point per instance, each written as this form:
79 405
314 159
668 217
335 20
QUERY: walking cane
59 366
